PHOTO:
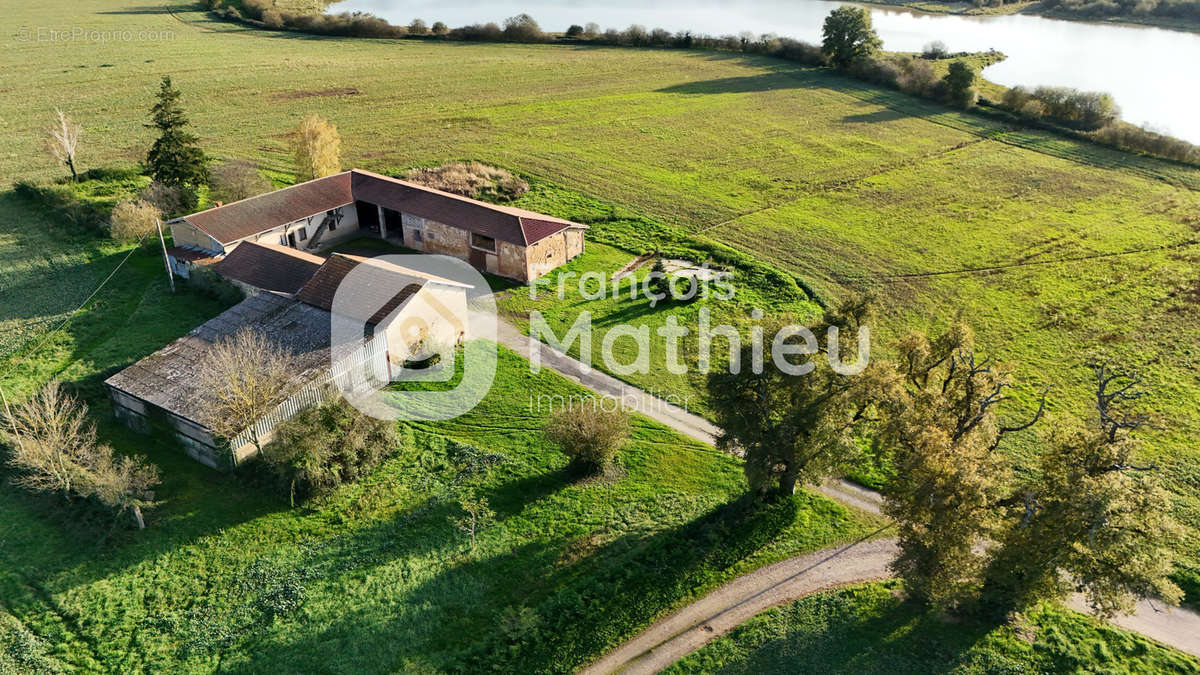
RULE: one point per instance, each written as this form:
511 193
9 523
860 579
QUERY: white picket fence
366 367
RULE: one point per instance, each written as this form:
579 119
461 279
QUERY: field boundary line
833 184
1007 266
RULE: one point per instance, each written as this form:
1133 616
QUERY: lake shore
1031 9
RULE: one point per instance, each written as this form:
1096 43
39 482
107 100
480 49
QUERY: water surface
1153 73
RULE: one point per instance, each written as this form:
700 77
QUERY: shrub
471 179
440 28
134 220
238 179
418 27
935 50
170 200
575 30
589 436
62 204
327 446
208 282
522 28
959 85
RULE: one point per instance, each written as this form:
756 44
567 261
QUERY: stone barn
313 216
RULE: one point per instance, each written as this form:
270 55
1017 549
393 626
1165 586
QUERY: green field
869 629
1034 238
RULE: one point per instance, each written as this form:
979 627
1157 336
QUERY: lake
1153 73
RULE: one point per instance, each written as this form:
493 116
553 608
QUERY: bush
418 27
325 447
471 179
238 179
62 204
171 201
1087 110
575 31
134 220
935 50
589 436
208 282
440 28
522 28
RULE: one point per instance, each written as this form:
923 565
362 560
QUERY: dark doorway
478 259
368 216
292 239
394 224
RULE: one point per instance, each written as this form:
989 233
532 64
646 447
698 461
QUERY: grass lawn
845 186
867 629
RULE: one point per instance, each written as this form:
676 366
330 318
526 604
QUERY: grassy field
867 629
1056 250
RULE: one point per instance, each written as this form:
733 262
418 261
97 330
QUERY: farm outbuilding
318 214
399 310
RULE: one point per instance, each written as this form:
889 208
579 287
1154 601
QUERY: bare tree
62 138
243 380
53 442
123 483
238 179
317 148
133 220
55 451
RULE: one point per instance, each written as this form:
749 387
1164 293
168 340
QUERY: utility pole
11 421
166 258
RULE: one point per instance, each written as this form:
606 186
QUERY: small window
416 235
283 240
303 234
482 242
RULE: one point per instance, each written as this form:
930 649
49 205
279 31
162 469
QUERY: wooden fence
363 369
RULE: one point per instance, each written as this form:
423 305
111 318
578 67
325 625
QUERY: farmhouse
401 311
313 216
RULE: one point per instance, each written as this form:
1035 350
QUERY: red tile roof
505 223
378 292
248 217
236 221
269 267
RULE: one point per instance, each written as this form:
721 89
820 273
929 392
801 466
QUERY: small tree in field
589 436
476 515
175 159
317 148
960 82
133 220
236 180
54 449
62 138
243 380
51 441
848 36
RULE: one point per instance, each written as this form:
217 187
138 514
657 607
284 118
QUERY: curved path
726 608
722 610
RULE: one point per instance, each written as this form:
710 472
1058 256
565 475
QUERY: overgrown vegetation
589 436
471 179
327 446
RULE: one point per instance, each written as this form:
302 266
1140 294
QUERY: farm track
724 609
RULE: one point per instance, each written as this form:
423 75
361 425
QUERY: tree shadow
884 115
578 597
897 636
